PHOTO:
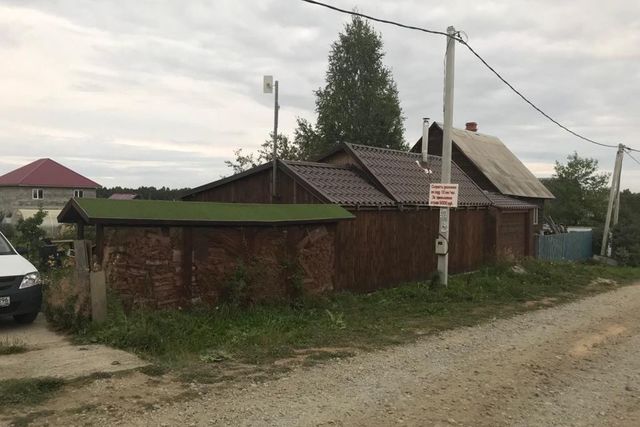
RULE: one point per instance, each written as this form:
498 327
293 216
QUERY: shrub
626 244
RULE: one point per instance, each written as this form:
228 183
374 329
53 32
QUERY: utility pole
276 107
613 195
616 209
268 87
443 258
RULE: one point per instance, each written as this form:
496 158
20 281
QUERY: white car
20 285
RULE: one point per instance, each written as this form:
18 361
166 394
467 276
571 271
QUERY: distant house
44 184
392 239
489 163
124 196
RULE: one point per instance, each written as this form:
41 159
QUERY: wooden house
490 164
392 238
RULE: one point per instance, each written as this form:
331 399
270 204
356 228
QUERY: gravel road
576 364
571 365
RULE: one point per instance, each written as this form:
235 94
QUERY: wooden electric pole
443 230
613 196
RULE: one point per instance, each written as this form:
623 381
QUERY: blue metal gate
572 246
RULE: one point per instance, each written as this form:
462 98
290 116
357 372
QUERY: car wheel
25 318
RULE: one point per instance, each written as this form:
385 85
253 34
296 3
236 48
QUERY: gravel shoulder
572 365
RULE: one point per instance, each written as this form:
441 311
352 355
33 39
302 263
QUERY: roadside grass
14 346
265 333
28 391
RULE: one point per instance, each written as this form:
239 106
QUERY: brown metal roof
343 185
403 175
505 202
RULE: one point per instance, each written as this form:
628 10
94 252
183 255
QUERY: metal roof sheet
46 173
161 212
499 164
505 202
340 184
403 175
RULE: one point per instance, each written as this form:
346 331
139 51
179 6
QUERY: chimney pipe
425 139
471 126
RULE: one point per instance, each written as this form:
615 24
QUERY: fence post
93 281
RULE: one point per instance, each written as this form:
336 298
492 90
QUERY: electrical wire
372 18
465 43
631 157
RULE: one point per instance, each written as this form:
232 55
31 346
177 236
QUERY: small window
37 194
535 216
79 194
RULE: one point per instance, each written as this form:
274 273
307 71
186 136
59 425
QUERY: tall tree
580 190
359 102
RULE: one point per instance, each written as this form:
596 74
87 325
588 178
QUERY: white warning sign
443 195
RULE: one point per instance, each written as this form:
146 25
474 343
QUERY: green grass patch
28 391
30 418
14 346
264 333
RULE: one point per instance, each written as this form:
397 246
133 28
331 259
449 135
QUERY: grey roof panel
499 165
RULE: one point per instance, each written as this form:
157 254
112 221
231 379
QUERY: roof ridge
372 147
316 164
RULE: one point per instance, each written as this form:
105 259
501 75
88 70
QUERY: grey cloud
569 58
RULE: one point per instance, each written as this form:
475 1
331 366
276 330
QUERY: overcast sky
161 92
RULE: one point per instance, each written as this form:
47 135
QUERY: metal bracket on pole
443 259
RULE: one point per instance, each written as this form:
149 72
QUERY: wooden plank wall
381 249
251 189
514 240
257 189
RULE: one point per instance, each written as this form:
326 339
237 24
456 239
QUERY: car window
5 249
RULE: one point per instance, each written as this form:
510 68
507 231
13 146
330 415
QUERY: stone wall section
145 266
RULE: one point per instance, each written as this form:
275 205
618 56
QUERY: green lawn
262 334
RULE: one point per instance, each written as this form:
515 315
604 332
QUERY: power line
372 18
477 55
631 157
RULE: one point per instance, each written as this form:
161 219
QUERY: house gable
490 163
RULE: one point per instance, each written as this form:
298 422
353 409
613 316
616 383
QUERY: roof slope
46 173
161 212
340 184
499 164
505 202
405 177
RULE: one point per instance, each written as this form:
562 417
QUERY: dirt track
576 364
53 355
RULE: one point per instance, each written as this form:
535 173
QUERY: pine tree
359 103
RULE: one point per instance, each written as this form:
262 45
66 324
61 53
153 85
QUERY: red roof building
46 173
44 184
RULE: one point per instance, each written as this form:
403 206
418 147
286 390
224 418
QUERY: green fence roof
159 212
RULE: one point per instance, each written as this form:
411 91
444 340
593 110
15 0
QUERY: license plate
5 301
